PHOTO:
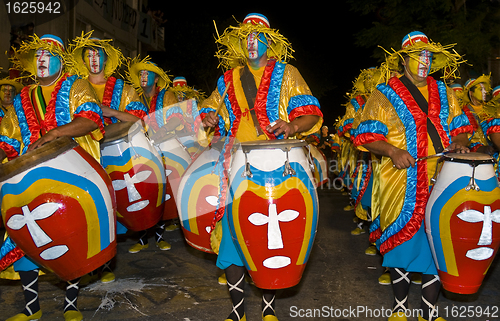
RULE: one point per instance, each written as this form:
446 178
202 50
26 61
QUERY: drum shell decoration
61 209
273 217
197 199
320 172
176 159
463 225
138 175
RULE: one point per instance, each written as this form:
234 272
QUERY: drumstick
432 156
223 97
220 104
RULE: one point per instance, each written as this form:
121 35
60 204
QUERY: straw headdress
114 57
136 65
444 57
24 57
234 52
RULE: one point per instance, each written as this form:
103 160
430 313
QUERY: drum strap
424 106
250 90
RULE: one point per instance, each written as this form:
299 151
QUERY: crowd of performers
78 93
397 115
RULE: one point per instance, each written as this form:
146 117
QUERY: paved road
339 283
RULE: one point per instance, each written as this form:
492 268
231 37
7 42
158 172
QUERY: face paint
47 65
94 60
479 92
256 45
147 78
7 93
421 66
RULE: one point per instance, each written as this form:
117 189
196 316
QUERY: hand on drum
282 127
457 148
50 136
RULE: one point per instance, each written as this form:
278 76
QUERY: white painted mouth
137 206
277 262
54 252
479 254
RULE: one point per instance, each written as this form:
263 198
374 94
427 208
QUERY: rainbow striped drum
58 206
462 220
320 167
274 211
197 198
176 159
138 175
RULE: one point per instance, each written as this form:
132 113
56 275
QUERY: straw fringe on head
367 81
136 65
471 83
24 58
444 58
114 57
234 53
8 81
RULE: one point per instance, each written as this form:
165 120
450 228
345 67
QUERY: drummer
474 97
97 60
9 88
249 113
33 121
401 121
151 82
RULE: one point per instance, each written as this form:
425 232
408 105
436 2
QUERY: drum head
283 144
32 158
473 159
120 131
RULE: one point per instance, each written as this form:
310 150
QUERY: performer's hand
401 158
282 127
50 136
210 120
458 148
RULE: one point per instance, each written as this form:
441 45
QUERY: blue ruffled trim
7 246
355 104
2 114
23 126
444 113
485 125
411 172
370 126
116 97
300 101
63 116
173 110
159 108
89 106
459 121
273 95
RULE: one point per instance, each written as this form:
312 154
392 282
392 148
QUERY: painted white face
47 65
147 78
421 66
256 45
94 60
7 94
480 92
486 218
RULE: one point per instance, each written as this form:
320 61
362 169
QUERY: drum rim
124 138
283 144
45 153
452 157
